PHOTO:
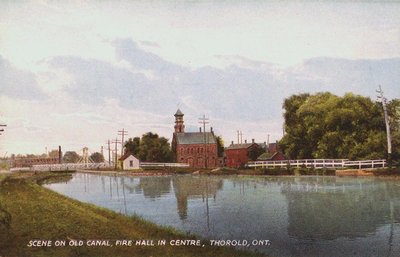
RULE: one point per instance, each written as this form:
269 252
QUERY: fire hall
198 149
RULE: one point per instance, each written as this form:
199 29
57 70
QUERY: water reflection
187 187
302 216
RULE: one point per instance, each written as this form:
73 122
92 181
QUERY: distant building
129 161
274 156
272 153
198 149
20 162
237 155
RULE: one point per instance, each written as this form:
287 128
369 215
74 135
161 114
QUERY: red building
198 149
272 154
237 155
30 161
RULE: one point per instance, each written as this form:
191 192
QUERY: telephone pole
122 133
116 141
2 130
109 151
204 121
389 139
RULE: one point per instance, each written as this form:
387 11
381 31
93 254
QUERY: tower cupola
179 127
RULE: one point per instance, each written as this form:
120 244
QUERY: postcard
199 128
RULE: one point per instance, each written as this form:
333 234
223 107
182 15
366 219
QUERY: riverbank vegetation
324 125
31 212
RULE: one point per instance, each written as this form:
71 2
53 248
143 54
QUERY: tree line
324 125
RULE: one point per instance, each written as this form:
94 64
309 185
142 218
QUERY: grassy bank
29 211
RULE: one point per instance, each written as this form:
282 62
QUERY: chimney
252 140
231 142
212 131
59 154
245 141
200 129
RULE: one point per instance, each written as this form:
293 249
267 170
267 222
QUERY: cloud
245 91
342 75
17 83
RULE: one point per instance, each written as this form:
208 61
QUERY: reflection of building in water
339 209
153 187
194 187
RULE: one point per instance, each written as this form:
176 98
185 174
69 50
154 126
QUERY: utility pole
109 151
238 136
122 133
116 141
389 139
2 130
241 137
204 121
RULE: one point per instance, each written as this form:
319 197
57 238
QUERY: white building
129 162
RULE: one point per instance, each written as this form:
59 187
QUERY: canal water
300 216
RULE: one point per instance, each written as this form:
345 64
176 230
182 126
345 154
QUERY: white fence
162 165
319 163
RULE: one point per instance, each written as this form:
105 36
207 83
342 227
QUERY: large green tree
150 148
132 145
324 125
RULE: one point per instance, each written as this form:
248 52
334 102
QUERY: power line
122 133
203 120
388 136
109 151
116 142
2 130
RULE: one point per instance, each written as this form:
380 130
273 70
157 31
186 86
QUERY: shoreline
48 216
386 172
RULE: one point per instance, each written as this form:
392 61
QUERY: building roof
240 146
179 113
125 156
268 156
195 138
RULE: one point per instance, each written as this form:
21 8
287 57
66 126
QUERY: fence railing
161 165
319 163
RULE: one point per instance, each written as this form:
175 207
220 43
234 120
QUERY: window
130 163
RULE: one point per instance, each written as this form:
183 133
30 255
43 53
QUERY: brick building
30 161
198 149
237 155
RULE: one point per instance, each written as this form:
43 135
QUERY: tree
150 148
328 126
255 152
97 157
71 157
132 145
220 146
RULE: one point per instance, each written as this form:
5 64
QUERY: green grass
29 211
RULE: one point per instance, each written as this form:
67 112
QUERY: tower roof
178 113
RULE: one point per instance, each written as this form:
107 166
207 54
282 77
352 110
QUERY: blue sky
74 73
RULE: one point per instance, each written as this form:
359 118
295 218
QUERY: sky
73 73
